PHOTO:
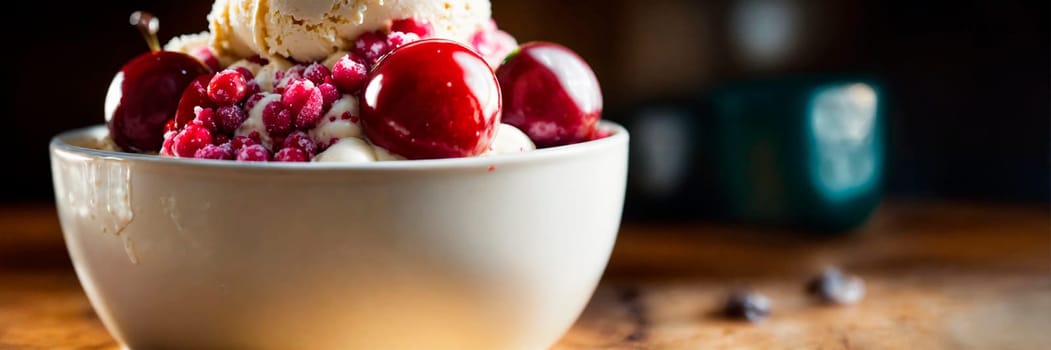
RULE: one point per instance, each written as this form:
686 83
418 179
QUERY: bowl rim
61 143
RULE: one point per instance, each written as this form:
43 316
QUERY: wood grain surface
938 276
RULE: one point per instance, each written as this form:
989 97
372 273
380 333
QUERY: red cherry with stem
145 94
431 99
551 94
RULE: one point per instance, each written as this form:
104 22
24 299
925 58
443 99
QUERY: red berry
253 153
349 74
291 155
423 29
316 73
277 119
247 74
229 118
252 88
241 141
192 138
371 46
300 140
205 118
166 146
399 39
304 101
145 94
551 94
252 100
227 87
431 99
215 152
329 94
218 139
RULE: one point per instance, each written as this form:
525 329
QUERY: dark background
968 81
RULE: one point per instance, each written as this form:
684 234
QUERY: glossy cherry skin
551 94
195 95
144 95
431 99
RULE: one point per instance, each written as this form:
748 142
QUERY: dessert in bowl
373 195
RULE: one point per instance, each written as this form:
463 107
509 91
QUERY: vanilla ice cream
311 30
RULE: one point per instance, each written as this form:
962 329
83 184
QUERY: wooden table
938 275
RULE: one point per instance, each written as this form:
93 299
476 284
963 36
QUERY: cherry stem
147 25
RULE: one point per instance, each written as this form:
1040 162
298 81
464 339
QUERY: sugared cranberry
227 87
252 100
277 119
316 73
551 94
195 95
239 142
192 138
170 126
295 72
229 118
423 29
431 99
252 88
145 94
304 101
371 46
169 139
349 74
399 39
222 152
302 141
329 94
219 139
205 118
289 154
247 74
253 153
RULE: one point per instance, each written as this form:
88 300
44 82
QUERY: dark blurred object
802 151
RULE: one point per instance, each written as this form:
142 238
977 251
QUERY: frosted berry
253 153
227 87
289 154
229 118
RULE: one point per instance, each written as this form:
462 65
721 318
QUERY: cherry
146 91
431 99
195 95
551 94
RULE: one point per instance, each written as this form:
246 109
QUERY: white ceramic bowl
495 252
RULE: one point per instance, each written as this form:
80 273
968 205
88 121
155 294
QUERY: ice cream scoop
311 30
